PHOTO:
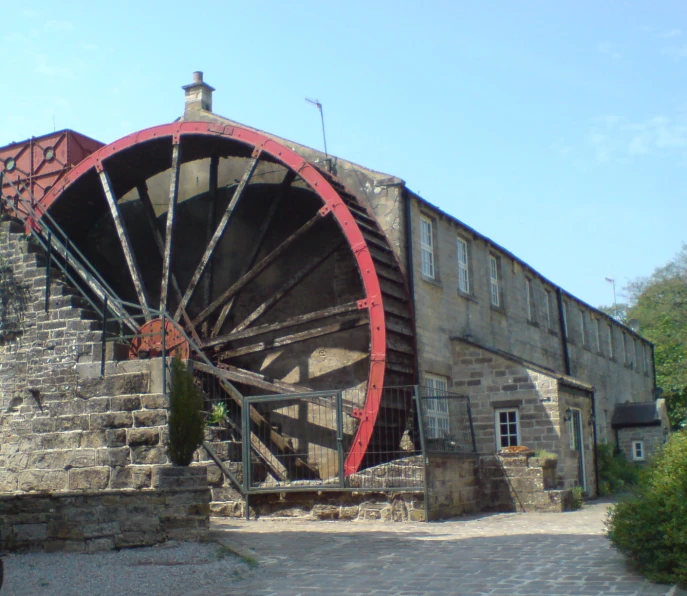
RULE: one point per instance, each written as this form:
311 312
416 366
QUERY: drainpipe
411 272
596 454
653 366
564 335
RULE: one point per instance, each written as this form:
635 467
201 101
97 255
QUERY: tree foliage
186 423
650 527
658 305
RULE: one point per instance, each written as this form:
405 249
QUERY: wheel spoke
349 323
219 231
250 261
247 377
310 265
171 210
124 240
207 278
256 270
292 322
157 237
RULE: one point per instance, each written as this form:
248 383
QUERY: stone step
91 370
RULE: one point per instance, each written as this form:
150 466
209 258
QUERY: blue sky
558 129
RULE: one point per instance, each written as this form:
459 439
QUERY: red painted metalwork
332 201
150 344
34 166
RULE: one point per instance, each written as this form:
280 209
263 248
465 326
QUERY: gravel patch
172 568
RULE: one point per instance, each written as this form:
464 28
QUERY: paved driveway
506 554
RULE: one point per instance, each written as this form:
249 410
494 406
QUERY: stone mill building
277 270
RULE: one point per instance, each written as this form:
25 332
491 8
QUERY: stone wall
521 483
652 436
177 508
453 485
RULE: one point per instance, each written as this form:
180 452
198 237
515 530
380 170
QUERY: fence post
417 398
472 428
103 338
48 260
163 336
245 441
339 438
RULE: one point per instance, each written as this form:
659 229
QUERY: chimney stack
198 94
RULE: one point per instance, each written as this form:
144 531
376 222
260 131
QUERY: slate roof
638 414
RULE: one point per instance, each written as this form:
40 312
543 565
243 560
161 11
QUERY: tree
186 423
658 303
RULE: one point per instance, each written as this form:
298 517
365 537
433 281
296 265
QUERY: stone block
99 530
125 403
89 478
144 454
113 457
180 477
97 405
132 539
155 402
142 436
100 544
111 420
30 532
63 440
43 480
150 418
131 477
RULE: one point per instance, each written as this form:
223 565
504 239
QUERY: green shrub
650 527
186 424
576 501
616 473
218 414
544 454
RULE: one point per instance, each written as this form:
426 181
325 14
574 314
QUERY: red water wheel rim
262 145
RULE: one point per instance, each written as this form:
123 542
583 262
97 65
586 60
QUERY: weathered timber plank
169 228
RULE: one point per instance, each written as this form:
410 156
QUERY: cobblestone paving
503 554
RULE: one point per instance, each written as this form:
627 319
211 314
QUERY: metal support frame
423 447
48 262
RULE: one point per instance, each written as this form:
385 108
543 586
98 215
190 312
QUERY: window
583 335
494 294
529 296
427 247
647 360
638 450
597 334
463 269
565 319
635 355
507 428
611 349
547 308
626 350
436 407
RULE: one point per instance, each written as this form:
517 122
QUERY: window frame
529 300
436 409
427 249
642 454
611 346
548 295
583 332
566 317
497 427
495 282
463 268
597 334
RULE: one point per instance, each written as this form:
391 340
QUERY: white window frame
583 333
497 426
529 297
547 308
642 455
494 282
427 247
463 257
436 409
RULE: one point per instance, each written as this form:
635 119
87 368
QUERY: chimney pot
198 76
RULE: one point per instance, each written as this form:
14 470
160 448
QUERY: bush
650 527
186 424
576 498
616 473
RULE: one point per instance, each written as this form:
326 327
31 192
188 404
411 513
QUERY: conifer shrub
186 423
650 526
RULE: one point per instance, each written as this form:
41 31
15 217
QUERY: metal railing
446 422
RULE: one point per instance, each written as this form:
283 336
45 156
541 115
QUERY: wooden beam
247 377
310 265
256 270
255 247
125 241
169 228
292 322
216 237
344 325
212 189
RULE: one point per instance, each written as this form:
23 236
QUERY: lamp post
615 303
